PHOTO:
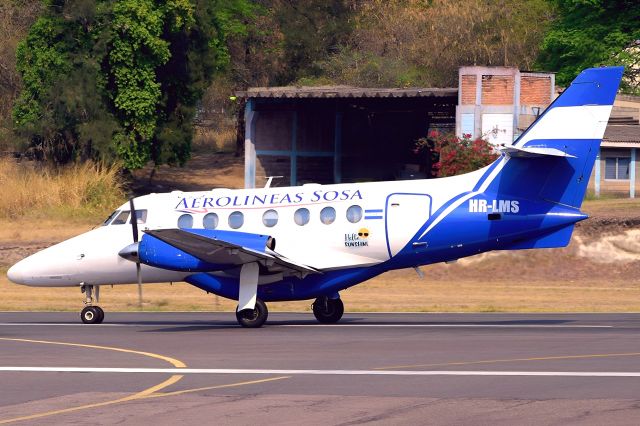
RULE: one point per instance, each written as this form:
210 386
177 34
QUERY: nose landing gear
91 314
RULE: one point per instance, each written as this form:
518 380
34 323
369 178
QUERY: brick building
499 103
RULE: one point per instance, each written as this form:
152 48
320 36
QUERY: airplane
313 241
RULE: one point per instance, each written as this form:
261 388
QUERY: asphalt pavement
371 368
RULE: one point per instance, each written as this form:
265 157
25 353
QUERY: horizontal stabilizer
555 239
533 151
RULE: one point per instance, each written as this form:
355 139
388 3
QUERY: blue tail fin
553 159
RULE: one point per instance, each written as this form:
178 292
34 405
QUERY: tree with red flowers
451 155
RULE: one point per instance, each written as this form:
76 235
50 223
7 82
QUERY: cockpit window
141 216
110 218
121 218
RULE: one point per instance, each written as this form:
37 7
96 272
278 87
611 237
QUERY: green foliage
422 43
590 33
108 79
41 59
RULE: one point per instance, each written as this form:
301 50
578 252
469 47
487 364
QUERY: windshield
110 218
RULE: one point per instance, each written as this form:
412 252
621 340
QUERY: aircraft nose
17 273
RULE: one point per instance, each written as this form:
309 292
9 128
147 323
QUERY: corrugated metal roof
328 92
621 134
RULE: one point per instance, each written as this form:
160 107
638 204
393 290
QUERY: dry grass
397 291
85 190
218 140
46 230
617 207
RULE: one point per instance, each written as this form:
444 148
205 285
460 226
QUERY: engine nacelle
154 252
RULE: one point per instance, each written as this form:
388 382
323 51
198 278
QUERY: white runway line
322 372
32 324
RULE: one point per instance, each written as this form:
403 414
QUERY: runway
164 368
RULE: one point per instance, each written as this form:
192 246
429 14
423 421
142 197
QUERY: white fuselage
390 215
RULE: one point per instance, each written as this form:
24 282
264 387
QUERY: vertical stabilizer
573 124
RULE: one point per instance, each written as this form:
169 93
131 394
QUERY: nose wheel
328 311
91 314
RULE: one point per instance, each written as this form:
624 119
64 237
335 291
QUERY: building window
617 168
354 214
301 216
210 221
185 221
236 220
327 215
270 218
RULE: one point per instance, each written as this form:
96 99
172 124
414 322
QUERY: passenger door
406 213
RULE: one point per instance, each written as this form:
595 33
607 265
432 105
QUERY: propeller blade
134 228
139 275
134 220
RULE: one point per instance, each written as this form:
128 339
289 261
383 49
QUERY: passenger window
301 216
111 216
327 215
270 218
185 221
354 214
210 221
141 216
236 220
122 218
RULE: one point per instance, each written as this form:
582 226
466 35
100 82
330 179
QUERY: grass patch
222 139
81 191
397 291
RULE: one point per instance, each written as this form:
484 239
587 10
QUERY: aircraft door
406 213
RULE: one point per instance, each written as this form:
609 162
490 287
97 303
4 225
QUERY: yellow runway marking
495 361
175 362
139 395
230 385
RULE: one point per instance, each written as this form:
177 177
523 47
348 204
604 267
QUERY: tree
589 33
16 17
417 42
121 79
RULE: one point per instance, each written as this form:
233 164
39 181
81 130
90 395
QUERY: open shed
339 134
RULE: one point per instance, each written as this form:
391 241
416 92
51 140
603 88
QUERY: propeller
134 228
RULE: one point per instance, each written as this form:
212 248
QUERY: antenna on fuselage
270 179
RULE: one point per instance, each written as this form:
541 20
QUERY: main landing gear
328 311
91 314
253 318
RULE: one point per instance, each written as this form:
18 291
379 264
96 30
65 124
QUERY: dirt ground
598 272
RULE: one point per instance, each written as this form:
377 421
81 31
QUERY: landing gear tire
328 311
253 318
92 315
101 313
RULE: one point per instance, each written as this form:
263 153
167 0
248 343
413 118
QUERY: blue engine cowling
154 252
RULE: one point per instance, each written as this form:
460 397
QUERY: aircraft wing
220 251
